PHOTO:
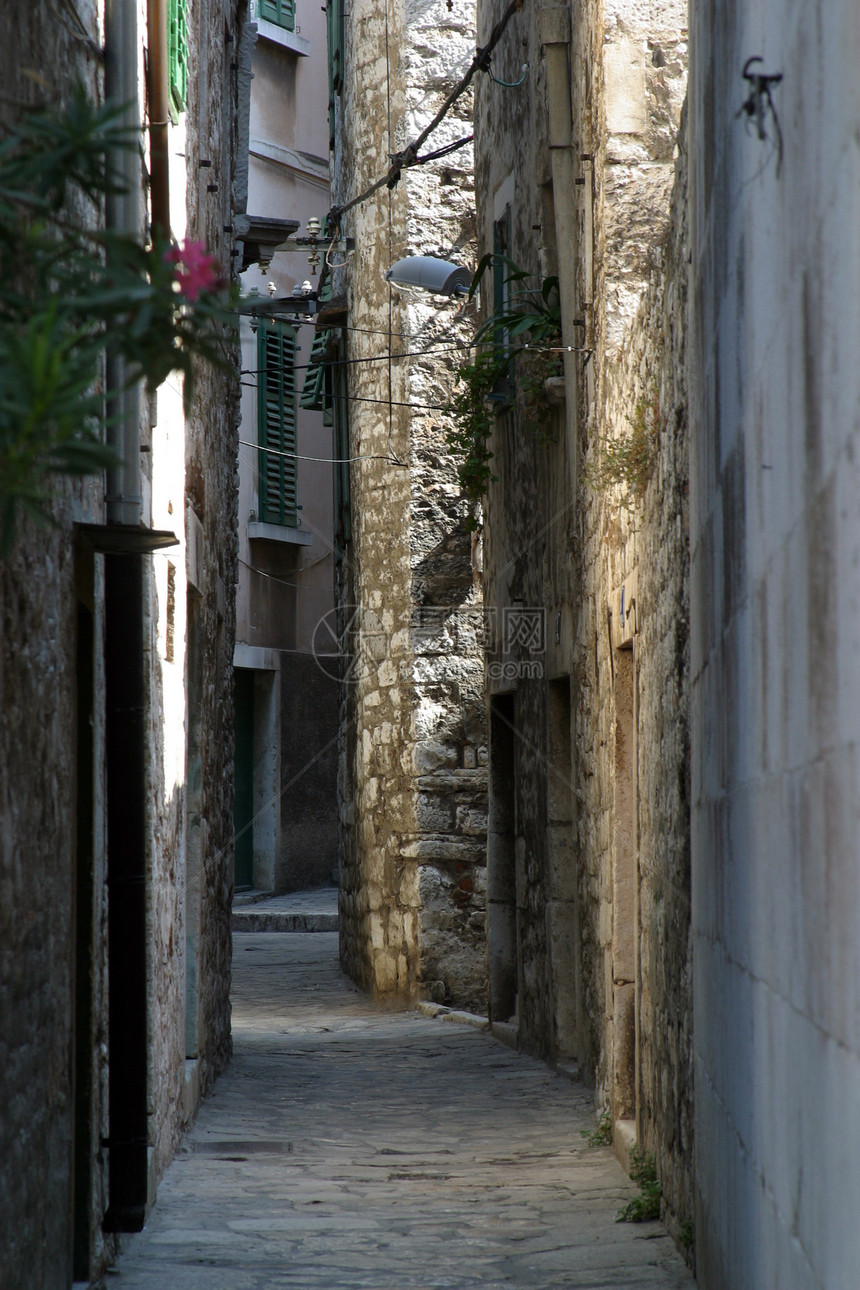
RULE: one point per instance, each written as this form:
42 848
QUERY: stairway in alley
349 1146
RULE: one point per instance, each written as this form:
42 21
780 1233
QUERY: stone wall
635 794
414 822
589 869
54 947
46 590
210 494
775 718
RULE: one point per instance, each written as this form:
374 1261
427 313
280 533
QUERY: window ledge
257 530
280 36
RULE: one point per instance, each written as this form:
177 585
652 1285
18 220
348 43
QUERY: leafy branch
646 1206
533 317
627 460
72 292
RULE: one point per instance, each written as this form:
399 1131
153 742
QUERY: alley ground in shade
347 1146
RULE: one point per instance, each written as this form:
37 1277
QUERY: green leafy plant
646 1206
73 292
627 460
513 353
602 1135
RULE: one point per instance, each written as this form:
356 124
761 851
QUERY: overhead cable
409 156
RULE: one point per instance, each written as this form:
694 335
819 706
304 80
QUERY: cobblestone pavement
347 1146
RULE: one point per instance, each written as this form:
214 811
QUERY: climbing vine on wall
627 460
513 360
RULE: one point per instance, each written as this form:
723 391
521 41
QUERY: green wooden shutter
313 389
177 53
282 12
334 24
342 491
314 386
503 391
276 423
501 250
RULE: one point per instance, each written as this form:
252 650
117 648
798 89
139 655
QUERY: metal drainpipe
125 741
123 215
159 107
554 28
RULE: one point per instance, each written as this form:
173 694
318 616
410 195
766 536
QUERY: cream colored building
286 709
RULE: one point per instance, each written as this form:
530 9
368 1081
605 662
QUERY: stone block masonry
587 519
413 767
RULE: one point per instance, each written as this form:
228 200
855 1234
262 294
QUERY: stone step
272 920
300 911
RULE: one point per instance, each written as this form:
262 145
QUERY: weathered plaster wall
412 879
775 537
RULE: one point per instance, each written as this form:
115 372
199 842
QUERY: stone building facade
116 717
413 763
586 537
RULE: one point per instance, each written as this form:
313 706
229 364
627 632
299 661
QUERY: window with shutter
314 393
340 418
276 423
177 54
334 24
502 299
281 12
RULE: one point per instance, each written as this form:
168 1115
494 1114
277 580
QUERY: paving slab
351 1147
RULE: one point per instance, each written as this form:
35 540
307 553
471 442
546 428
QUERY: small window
501 271
177 54
280 12
502 298
276 423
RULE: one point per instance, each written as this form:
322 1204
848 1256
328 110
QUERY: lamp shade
439 276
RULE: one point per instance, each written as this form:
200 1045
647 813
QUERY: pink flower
196 270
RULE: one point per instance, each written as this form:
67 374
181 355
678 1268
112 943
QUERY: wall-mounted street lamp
431 274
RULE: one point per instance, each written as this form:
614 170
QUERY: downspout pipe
123 215
125 582
158 95
554 30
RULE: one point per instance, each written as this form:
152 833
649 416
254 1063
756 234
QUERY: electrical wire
326 461
362 398
409 156
370 358
443 152
509 85
421 353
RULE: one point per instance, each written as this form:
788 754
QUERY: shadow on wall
445 575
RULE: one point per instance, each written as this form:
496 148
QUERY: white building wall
775 607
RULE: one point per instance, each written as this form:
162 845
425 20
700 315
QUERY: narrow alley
349 1146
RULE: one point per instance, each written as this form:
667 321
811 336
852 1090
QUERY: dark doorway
501 864
83 906
243 809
